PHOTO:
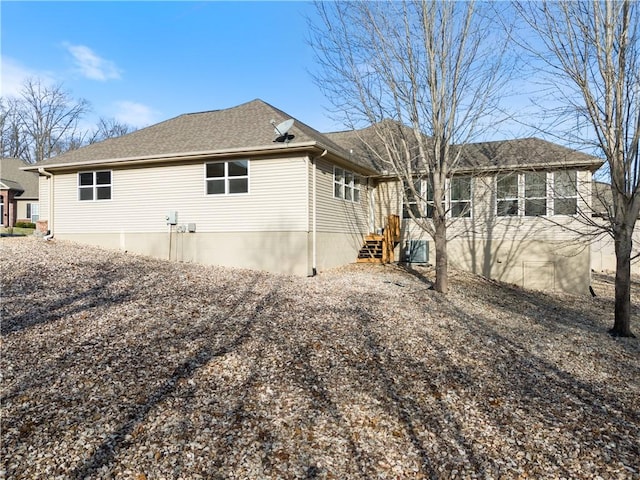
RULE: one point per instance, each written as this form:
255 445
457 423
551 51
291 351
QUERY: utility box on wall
172 218
416 251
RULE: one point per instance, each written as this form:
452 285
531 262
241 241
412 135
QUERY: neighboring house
603 252
19 192
222 187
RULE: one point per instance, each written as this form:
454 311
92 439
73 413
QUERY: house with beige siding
214 187
18 193
225 187
519 210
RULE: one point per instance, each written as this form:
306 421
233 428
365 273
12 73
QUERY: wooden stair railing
379 248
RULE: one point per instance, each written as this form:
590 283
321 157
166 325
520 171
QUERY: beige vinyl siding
335 215
142 197
484 224
388 197
21 205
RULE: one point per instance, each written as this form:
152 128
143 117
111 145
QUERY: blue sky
143 62
147 61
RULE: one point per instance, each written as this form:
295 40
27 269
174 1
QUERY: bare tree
109 128
49 118
592 55
13 142
425 75
45 121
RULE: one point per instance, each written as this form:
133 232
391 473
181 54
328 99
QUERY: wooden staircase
379 248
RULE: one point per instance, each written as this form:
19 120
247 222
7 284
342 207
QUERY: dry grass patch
119 366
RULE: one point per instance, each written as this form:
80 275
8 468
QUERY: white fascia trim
265 149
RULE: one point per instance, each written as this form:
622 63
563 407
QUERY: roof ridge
215 110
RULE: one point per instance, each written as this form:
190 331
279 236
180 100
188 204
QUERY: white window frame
468 213
550 194
226 178
527 197
95 186
424 202
343 189
554 195
510 199
409 200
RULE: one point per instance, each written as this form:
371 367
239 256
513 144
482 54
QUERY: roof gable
367 145
247 126
12 178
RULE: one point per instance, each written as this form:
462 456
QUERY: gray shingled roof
523 153
497 155
11 177
247 126
366 145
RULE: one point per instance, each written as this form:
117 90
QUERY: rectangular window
33 212
346 185
507 195
413 200
428 187
94 185
420 203
460 195
227 178
338 182
565 193
535 194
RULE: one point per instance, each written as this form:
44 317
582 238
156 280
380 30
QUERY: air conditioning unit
416 251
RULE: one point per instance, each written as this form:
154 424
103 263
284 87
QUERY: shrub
25 225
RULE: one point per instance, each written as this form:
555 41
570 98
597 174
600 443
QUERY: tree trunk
622 322
442 273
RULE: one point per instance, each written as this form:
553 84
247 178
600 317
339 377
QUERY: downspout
49 175
314 231
307 191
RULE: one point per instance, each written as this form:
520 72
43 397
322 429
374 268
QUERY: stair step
368 260
372 251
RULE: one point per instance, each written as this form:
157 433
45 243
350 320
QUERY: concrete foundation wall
336 249
538 265
278 252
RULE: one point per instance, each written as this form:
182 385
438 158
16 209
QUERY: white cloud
135 114
91 65
14 75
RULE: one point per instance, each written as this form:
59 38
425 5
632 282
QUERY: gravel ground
121 366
